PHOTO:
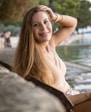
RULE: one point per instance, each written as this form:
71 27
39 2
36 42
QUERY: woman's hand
88 95
51 14
79 98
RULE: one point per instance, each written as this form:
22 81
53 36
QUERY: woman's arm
79 98
68 26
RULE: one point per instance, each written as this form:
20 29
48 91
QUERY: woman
36 53
7 42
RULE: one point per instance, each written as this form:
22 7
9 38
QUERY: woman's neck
45 47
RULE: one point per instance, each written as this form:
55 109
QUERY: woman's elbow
75 22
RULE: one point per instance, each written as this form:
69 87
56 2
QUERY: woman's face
42 27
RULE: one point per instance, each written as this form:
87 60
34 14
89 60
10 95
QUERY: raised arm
68 26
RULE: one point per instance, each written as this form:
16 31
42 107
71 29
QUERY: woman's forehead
39 15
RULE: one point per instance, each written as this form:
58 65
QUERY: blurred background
76 49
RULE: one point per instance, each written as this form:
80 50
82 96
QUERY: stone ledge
18 95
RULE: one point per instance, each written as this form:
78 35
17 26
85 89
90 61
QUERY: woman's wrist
58 17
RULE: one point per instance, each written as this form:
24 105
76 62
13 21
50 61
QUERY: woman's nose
43 27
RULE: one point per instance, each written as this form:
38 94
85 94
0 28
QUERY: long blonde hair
29 59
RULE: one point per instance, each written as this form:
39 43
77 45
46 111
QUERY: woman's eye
45 22
35 25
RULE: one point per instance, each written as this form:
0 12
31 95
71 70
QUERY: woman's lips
44 34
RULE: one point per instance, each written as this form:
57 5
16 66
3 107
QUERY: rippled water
78 52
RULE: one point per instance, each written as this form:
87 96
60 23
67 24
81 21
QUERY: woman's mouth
44 34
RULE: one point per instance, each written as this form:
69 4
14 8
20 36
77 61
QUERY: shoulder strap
9 67
60 95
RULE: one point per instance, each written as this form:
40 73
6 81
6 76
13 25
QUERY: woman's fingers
49 11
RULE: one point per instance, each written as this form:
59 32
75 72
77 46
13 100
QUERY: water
78 52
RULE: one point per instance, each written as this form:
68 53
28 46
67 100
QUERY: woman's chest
56 61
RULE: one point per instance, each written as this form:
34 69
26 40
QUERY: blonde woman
36 52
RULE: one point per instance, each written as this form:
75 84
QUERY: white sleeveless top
60 70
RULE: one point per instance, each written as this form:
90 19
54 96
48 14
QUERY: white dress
60 82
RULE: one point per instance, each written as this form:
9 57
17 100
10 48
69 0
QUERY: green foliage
79 9
41 2
84 15
68 7
13 10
